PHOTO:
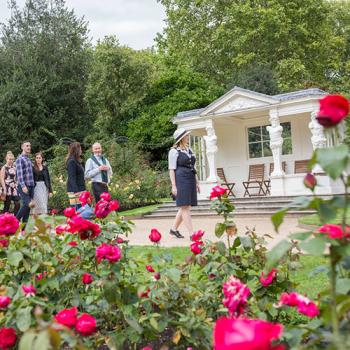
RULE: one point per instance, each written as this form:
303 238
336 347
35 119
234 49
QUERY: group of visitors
27 184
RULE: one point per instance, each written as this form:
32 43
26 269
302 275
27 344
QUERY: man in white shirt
99 170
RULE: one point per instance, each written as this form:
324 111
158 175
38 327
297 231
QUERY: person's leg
16 205
23 213
186 217
178 220
98 188
7 204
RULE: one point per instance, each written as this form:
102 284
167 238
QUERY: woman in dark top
9 184
75 181
184 181
42 189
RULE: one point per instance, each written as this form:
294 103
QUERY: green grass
314 219
140 211
309 283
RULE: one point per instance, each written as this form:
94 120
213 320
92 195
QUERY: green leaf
24 318
314 246
219 229
133 323
300 236
246 242
333 160
42 342
174 274
343 285
14 257
277 218
276 254
221 248
326 212
154 323
27 340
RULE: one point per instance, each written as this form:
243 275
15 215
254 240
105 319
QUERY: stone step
278 204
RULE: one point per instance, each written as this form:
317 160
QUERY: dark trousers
98 188
7 204
24 211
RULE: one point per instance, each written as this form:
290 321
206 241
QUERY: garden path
143 227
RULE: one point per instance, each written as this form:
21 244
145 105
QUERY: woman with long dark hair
42 189
75 169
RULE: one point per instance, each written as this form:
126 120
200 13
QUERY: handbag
73 198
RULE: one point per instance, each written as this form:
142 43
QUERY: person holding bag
99 170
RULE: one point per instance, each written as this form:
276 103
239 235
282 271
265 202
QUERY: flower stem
333 281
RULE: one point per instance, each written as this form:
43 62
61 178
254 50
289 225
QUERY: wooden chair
301 166
228 185
255 180
267 183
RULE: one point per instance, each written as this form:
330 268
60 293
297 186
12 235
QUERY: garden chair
301 166
228 185
255 180
267 183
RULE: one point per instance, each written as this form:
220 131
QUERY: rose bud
4 302
310 181
28 290
156 276
155 236
87 278
149 268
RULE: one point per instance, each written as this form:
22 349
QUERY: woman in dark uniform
184 181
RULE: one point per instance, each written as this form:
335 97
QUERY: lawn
309 283
314 219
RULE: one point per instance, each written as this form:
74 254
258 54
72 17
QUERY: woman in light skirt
43 189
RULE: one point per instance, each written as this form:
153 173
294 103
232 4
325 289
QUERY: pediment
238 99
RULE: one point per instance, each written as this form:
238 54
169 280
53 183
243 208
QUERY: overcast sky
134 22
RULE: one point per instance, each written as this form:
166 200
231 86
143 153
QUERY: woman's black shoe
176 233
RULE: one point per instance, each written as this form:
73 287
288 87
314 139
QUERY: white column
276 142
211 150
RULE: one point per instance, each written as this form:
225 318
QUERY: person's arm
20 175
90 170
173 182
172 160
72 175
2 182
109 171
48 180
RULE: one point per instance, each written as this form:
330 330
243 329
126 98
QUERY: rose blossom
86 325
155 236
334 231
69 212
196 247
7 338
156 276
101 209
73 243
67 317
197 236
28 290
113 205
120 240
87 278
85 228
40 276
4 302
61 228
149 268
147 348
85 198
106 196
109 252
54 212
310 181
4 243
333 109
236 294
269 278
145 294
8 224
304 305
217 192
246 334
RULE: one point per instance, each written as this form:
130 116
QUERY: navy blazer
75 181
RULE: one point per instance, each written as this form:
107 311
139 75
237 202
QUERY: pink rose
40 276
105 196
4 302
8 224
86 325
67 317
149 268
120 240
28 290
85 198
69 212
7 338
155 236
60 229
4 243
217 192
334 231
304 305
333 109
108 252
113 205
102 209
247 334
197 236
269 278
87 278
196 247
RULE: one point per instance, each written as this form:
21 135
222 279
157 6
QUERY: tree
117 82
176 89
44 60
297 39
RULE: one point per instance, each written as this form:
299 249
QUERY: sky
134 22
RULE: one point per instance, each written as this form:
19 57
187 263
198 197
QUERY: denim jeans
24 211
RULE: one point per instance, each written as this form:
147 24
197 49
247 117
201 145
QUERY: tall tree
296 38
44 60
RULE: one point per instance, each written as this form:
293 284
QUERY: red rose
85 198
333 109
4 243
145 294
8 224
310 181
54 212
73 243
217 192
147 348
28 290
197 236
334 231
67 317
149 268
269 278
87 278
120 240
113 205
196 247
4 302
247 334
61 228
156 276
86 325
108 252
105 196
102 209
69 212
7 338
85 228
40 276
155 236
